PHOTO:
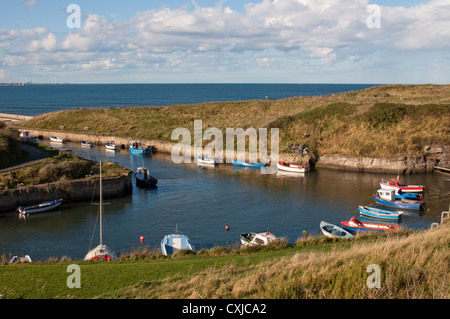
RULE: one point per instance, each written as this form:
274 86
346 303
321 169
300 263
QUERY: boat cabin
386 194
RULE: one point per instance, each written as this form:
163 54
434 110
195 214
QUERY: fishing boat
292 167
379 213
173 242
333 231
203 159
101 252
254 239
39 208
143 178
394 184
399 194
25 136
386 197
138 148
248 164
111 146
56 139
356 225
86 144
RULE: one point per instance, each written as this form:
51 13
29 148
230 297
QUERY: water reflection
202 201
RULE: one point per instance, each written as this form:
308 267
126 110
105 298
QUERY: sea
197 201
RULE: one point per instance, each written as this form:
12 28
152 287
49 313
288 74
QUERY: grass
414 265
381 121
10 151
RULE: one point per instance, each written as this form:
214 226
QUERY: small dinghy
254 239
173 242
86 144
56 139
379 213
203 159
24 259
39 208
246 164
111 146
333 231
292 167
356 225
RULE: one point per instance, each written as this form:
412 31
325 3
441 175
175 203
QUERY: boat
379 213
394 184
101 252
399 194
138 148
333 231
203 159
39 208
25 136
111 146
143 178
57 139
173 242
86 144
254 239
248 164
386 197
24 259
292 167
356 225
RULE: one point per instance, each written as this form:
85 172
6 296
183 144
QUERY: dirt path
35 155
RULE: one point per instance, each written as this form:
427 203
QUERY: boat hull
57 139
141 151
333 231
355 225
292 168
378 213
401 203
149 182
174 242
40 208
242 163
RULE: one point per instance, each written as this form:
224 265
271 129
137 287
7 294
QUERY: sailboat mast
101 204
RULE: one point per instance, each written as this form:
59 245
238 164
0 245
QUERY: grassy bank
10 151
413 265
63 167
382 121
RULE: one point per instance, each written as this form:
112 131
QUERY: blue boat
39 208
379 213
137 148
242 163
386 197
173 242
399 194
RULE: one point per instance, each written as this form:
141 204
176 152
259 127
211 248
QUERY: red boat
356 225
395 185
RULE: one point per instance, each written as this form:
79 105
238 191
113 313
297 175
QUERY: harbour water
201 202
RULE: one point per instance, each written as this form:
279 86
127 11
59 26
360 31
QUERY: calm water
38 99
202 202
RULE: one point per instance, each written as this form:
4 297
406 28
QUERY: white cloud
29 4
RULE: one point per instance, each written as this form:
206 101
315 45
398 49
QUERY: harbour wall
436 155
78 190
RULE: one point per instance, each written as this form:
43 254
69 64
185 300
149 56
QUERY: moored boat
203 159
138 148
356 225
56 139
379 213
86 144
25 136
24 259
394 184
173 242
248 164
39 208
101 252
111 146
292 167
333 231
254 239
386 197
143 178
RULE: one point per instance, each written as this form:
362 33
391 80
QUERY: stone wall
79 190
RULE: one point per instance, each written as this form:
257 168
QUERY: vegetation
381 121
65 166
10 151
413 265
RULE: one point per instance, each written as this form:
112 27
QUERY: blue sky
234 41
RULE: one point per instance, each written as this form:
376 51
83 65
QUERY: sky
225 41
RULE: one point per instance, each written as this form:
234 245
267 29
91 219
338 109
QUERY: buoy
142 238
227 228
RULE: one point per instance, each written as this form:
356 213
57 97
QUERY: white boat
24 259
173 242
333 231
25 136
39 208
292 167
254 239
86 144
56 139
111 146
203 159
101 252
